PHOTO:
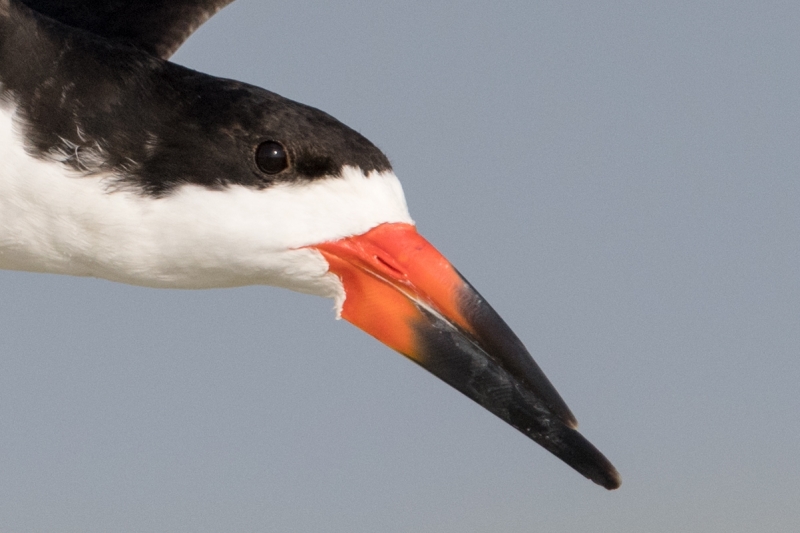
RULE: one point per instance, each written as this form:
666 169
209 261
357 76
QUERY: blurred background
619 180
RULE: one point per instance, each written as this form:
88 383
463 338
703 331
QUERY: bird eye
271 157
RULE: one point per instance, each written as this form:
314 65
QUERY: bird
119 164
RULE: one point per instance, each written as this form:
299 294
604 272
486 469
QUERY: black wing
156 26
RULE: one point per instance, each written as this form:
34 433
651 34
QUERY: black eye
271 157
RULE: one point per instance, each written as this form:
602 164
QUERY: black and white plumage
121 165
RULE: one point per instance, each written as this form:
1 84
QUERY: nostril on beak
394 270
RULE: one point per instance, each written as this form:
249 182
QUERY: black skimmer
121 165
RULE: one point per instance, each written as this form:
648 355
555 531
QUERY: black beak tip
608 478
612 481
491 366
573 448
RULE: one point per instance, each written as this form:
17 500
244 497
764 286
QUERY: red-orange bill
401 290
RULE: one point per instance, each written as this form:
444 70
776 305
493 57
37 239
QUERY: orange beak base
402 291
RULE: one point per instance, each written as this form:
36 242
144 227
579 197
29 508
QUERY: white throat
54 220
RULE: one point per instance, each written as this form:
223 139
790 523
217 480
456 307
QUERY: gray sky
619 180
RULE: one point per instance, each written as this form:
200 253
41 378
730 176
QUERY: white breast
54 220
